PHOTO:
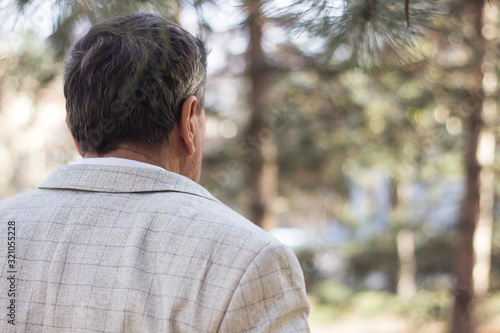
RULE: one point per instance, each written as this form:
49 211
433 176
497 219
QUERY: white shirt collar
115 161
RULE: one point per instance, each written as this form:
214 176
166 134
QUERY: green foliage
334 301
428 305
332 293
367 32
372 303
489 307
74 13
27 69
378 254
434 253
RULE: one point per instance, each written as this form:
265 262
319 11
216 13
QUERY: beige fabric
120 249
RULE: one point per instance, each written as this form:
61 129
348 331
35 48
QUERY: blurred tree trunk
404 241
474 240
407 264
263 163
486 153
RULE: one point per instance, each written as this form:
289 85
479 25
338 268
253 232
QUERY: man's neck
157 157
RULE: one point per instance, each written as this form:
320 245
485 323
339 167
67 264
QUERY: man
125 240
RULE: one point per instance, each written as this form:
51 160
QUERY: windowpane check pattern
123 249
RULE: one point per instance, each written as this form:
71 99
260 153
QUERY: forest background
361 133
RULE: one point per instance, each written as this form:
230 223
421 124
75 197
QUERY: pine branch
377 32
369 9
407 13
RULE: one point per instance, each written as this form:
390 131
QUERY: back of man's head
127 78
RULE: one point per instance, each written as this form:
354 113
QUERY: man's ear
74 140
187 124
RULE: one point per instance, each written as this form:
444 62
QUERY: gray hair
127 78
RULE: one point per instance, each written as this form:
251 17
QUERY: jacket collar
120 179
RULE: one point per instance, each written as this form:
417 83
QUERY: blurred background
360 133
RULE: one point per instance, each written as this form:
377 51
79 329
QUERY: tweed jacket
123 249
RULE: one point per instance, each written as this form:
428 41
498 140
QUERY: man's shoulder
19 207
206 216
215 217
142 196
19 199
